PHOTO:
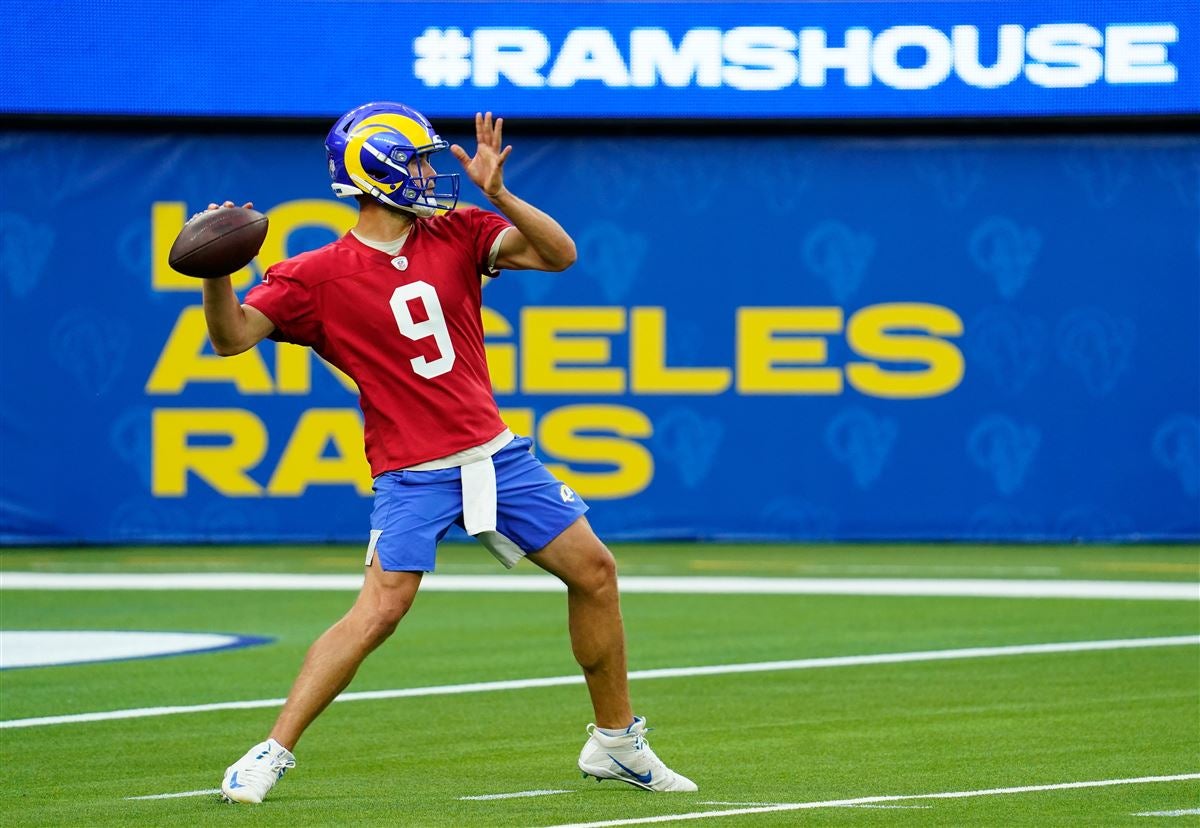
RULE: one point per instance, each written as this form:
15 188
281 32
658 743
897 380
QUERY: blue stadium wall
763 338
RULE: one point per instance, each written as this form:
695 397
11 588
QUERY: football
218 242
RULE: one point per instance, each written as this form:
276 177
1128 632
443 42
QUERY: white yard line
205 792
517 795
712 566
866 800
668 672
1186 812
647 584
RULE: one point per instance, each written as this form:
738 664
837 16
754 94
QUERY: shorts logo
568 496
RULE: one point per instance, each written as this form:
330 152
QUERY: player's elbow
564 257
229 347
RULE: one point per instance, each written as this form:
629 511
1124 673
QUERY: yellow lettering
518 420
763 356
223 467
284 219
183 360
304 462
166 220
871 333
293 368
501 356
546 347
577 434
649 373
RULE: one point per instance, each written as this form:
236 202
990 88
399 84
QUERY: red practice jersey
406 329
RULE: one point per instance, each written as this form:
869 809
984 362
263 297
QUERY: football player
395 304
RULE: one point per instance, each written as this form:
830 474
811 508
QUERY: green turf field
751 740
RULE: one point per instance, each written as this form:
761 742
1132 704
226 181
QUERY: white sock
622 731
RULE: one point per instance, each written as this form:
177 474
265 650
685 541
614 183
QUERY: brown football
218 242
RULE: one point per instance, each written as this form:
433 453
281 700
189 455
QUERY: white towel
479 496
479 511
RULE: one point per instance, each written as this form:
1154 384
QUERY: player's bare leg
579 559
334 658
616 747
328 668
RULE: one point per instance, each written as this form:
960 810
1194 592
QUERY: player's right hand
214 206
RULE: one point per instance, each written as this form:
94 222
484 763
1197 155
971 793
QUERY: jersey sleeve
485 227
287 302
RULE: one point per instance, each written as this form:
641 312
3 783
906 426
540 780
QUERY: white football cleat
251 778
628 757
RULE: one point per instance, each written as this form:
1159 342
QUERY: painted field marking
1187 812
870 800
205 792
637 584
42 648
668 672
517 795
895 570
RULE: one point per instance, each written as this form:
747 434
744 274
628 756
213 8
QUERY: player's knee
378 628
381 620
596 573
391 611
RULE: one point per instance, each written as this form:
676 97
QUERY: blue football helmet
369 152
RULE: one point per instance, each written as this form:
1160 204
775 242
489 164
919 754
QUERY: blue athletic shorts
415 509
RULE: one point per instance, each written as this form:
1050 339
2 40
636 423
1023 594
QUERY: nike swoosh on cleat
644 778
233 783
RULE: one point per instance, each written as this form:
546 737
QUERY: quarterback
395 304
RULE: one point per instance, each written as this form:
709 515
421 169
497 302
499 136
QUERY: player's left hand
486 169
